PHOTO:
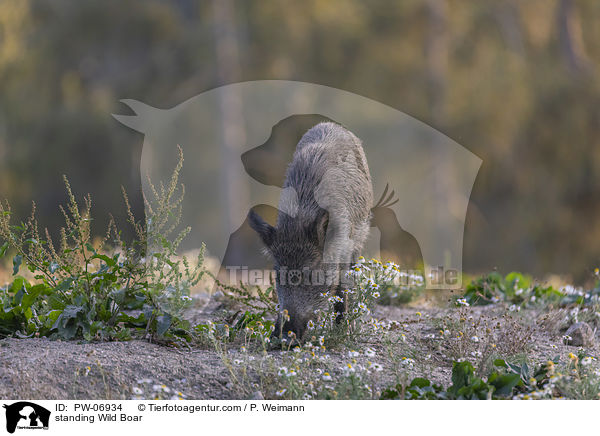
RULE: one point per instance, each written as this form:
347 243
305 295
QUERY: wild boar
322 225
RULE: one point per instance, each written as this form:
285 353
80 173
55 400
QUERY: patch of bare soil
45 369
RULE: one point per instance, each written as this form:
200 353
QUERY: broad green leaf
504 384
56 302
32 294
18 298
17 263
501 363
163 322
53 315
109 261
462 374
420 382
3 249
71 311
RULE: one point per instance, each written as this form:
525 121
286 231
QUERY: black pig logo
26 414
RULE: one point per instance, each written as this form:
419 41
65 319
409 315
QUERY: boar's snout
300 305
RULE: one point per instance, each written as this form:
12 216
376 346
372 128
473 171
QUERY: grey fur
323 226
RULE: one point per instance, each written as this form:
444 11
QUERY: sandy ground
48 369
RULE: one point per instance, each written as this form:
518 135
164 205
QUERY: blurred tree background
515 82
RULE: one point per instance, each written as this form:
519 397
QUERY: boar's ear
265 230
322 223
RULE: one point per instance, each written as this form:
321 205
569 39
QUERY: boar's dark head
296 246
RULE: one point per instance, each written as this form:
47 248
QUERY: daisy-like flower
474 338
462 302
376 295
406 361
310 325
137 391
353 353
376 367
282 371
326 376
281 392
369 352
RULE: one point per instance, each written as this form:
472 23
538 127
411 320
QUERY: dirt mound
45 369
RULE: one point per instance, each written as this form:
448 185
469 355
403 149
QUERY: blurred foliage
520 290
514 82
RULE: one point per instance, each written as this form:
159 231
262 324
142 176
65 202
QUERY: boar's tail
386 201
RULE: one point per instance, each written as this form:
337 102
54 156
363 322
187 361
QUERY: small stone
257 396
581 335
